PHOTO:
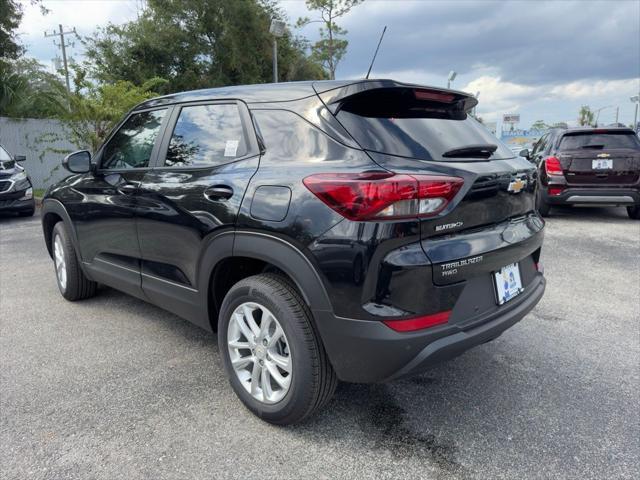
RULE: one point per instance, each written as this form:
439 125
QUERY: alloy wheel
60 263
259 352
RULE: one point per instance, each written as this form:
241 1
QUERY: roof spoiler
334 97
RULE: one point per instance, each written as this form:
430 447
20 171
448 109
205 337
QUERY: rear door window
397 122
206 136
599 141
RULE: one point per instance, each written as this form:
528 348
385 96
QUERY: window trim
247 130
154 150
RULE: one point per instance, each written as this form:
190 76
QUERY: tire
543 207
634 212
27 213
75 285
311 379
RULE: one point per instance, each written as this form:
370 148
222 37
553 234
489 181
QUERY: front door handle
128 188
219 192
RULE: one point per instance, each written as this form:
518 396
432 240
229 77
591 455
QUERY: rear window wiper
474 151
594 146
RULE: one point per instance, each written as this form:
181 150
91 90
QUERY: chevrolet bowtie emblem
516 186
603 155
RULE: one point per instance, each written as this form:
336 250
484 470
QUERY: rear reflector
552 166
555 190
418 323
383 195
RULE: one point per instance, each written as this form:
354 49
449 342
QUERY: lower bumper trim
458 343
600 199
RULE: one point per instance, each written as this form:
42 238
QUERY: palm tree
585 116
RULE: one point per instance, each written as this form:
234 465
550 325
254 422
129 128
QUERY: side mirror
19 158
525 153
78 162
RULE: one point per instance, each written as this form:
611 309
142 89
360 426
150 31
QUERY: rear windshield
396 123
599 140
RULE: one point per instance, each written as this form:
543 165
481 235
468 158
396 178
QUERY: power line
63 46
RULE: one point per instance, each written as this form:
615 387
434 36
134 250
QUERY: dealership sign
511 118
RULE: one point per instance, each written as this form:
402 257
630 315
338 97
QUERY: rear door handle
128 188
219 192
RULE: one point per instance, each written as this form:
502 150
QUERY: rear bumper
594 196
368 351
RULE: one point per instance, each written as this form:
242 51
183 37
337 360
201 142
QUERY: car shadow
589 213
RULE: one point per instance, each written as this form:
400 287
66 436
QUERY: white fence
42 142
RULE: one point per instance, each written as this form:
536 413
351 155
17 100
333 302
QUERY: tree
27 90
330 49
539 125
93 109
585 116
10 16
197 44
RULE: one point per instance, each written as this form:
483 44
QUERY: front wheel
71 280
634 212
274 359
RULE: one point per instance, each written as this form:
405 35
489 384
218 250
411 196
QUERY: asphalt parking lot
115 388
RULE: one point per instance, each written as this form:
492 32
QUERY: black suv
359 230
16 191
588 167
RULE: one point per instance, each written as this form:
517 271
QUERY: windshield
4 155
398 123
599 140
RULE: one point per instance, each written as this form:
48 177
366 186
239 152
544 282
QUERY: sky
541 59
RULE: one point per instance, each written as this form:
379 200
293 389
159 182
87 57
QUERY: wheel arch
53 211
271 251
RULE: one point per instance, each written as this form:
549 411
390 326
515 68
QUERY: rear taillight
383 195
552 166
554 191
419 323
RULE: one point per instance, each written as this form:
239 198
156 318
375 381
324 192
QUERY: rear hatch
600 157
416 130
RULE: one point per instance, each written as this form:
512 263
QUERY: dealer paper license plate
508 283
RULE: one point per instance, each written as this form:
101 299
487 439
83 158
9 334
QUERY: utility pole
275 59
635 99
63 46
141 6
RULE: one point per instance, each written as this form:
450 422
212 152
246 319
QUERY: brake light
433 96
418 323
383 195
552 166
555 190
